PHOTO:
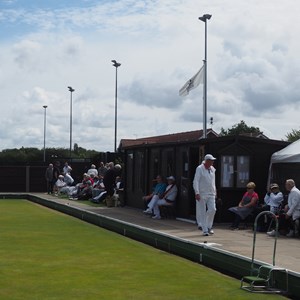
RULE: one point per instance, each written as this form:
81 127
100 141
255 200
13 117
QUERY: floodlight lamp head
115 63
45 106
205 17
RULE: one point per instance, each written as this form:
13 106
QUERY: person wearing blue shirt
158 190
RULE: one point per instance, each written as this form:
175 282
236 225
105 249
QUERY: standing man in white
204 185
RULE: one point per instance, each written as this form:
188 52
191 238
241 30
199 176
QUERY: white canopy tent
285 164
289 154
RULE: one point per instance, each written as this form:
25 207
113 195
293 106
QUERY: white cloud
253 69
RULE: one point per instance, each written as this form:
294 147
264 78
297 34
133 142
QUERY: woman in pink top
246 205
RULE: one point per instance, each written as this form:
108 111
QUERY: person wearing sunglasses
246 206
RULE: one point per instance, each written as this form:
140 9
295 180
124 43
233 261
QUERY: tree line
35 155
243 128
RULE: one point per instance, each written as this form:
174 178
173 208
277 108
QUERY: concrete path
240 242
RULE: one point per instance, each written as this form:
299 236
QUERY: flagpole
205 99
204 19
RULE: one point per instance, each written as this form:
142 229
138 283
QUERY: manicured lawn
47 255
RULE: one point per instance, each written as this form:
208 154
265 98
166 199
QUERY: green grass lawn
47 255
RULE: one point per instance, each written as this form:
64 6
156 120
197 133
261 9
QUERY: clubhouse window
234 171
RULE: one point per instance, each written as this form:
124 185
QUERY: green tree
34 155
76 147
240 128
293 136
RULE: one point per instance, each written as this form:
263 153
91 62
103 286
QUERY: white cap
209 157
171 178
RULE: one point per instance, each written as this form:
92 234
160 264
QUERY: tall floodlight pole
71 91
45 108
204 19
116 65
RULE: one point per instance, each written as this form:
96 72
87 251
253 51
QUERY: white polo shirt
204 182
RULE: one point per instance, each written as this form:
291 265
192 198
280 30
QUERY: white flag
192 83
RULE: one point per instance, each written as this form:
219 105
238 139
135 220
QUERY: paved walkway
240 242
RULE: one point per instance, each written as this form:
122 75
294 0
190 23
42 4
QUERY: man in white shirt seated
168 198
293 208
291 215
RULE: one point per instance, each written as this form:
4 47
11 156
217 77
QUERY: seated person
283 223
92 170
99 192
91 178
60 186
246 205
158 189
96 181
75 190
291 214
68 179
168 198
119 184
273 198
272 203
87 192
100 197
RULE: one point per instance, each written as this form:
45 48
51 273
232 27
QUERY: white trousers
155 203
205 212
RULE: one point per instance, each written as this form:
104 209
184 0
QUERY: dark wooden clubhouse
240 159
